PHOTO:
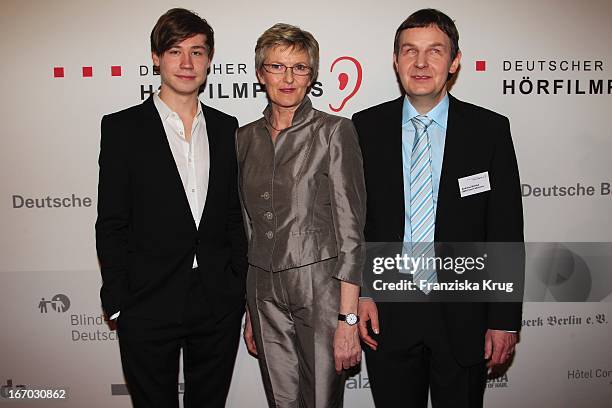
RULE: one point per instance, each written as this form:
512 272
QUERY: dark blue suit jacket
477 140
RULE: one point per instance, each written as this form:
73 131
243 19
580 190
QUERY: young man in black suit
169 234
443 347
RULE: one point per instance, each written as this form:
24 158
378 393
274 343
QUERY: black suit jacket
145 233
477 140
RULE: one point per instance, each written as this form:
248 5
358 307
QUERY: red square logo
481 65
116 70
58 72
87 71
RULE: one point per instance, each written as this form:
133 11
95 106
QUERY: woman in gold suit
303 193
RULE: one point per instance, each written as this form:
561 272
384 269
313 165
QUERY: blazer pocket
317 244
307 231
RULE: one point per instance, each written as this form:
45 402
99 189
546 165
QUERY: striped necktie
422 211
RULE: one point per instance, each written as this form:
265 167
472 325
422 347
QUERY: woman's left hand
347 349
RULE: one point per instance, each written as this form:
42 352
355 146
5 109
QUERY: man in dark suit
416 149
169 234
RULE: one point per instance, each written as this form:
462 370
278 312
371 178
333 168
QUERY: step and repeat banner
547 65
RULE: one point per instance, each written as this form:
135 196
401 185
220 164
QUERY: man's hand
249 340
499 346
347 351
368 311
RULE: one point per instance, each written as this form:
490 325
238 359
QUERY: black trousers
401 373
150 352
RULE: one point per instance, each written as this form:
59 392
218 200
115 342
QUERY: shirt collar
164 110
438 114
301 114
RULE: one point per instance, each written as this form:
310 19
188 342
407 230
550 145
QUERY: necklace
278 130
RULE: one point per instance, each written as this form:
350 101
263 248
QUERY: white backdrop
50 142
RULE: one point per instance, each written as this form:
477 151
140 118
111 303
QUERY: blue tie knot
421 123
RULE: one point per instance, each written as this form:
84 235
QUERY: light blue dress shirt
437 137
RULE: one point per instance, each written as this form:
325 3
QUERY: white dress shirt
192 158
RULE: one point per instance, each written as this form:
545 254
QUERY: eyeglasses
299 69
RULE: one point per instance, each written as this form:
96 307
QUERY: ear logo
343 81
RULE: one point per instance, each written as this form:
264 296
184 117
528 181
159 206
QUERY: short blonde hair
286 35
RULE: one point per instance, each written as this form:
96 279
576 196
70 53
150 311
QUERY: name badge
474 184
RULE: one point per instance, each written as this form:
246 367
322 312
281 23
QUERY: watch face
351 319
